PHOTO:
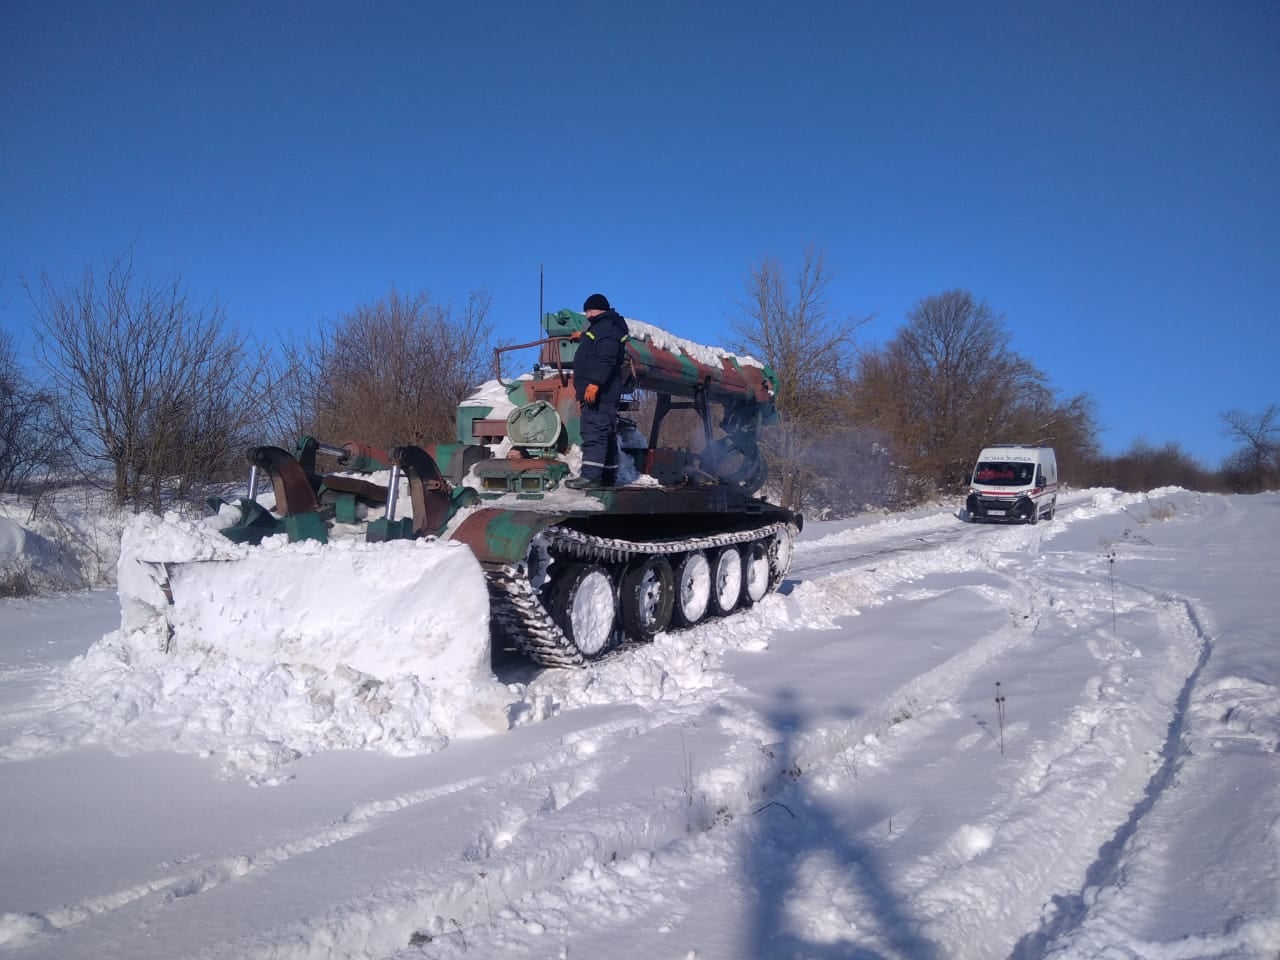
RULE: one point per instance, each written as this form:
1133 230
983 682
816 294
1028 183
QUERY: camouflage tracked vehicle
571 574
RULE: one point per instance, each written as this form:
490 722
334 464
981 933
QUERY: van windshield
997 473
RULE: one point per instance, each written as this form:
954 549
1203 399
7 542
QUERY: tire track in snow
1042 858
209 874
385 919
1057 822
1069 912
1027 604
551 841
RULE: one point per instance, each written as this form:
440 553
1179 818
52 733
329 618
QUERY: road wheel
726 581
646 597
1053 509
584 606
755 573
693 589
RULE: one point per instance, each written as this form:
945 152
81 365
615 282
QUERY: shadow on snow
796 832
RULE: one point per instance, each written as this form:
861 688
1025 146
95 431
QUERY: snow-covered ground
940 740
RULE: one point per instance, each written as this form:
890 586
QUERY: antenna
539 294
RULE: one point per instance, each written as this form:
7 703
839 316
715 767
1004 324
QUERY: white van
1014 482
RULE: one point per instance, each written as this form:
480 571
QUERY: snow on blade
664 340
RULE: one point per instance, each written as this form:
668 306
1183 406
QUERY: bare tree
788 324
28 439
159 391
388 372
1256 465
946 385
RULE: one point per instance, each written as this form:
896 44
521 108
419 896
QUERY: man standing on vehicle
598 379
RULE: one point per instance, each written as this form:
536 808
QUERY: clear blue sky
1105 175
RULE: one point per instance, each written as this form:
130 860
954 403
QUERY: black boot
582 483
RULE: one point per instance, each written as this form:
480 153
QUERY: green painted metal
344 508
689 368
305 526
501 477
303 445
642 350
382 530
535 424
365 463
255 524
467 416
446 453
562 323
502 536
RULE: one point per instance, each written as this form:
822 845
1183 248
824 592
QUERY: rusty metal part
428 490
362 489
292 488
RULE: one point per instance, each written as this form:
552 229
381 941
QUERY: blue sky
1103 175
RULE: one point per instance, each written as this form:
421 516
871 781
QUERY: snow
826 775
665 340
26 551
390 609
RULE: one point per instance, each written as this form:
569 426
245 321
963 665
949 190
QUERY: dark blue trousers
599 451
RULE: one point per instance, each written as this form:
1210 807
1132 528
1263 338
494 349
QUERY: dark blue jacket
600 355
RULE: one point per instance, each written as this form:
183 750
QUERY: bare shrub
388 372
15 581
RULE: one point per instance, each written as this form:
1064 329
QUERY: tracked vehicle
572 575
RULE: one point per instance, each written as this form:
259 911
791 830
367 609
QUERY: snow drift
272 652
385 609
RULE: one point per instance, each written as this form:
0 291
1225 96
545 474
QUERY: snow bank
387 609
271 652
25 552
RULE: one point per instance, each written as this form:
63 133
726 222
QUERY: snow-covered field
830 775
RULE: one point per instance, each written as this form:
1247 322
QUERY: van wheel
1053 509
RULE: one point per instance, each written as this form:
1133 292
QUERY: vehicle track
527 830
1070 911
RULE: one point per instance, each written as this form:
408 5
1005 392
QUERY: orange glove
590 394
576 335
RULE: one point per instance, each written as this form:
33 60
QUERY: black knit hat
597 301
